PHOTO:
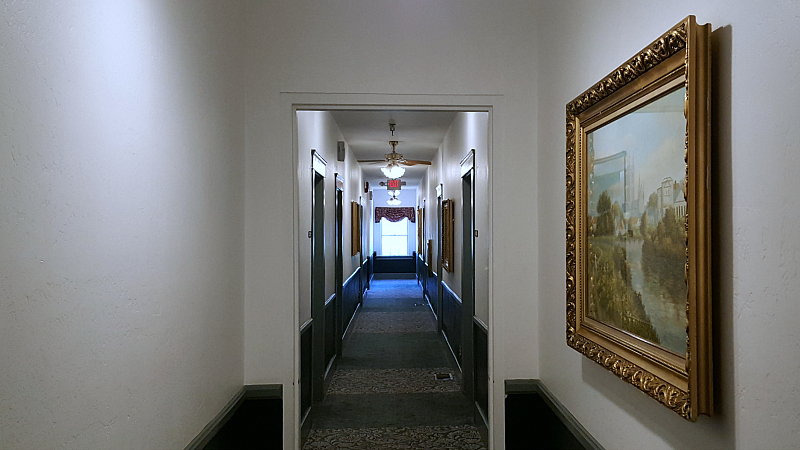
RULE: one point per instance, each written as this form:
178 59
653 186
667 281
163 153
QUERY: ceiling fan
394 158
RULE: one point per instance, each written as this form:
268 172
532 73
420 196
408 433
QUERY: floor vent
440 376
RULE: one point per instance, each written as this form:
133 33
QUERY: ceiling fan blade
414 162
373 161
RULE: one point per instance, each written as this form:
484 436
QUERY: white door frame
291 102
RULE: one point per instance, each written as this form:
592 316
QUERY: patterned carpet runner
453 437
391 389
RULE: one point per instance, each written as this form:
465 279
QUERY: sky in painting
653 135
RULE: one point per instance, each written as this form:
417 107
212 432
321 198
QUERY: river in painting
636 223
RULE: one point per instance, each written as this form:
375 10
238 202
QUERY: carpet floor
387 391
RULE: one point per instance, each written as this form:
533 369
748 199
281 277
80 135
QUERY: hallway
385 392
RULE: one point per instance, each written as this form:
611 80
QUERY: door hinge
476 233
309 234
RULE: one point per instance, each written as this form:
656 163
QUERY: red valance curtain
394 214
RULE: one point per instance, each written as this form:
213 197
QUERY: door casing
291 102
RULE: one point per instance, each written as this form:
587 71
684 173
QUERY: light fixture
394 161
393 201
393 170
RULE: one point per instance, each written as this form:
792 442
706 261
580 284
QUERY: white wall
756 84
469 130
317 130
450 47
121 221
427 191
353 192
422 194
369 223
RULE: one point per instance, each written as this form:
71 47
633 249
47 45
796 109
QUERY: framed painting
355 228
447 235
638 221
429 257
420 228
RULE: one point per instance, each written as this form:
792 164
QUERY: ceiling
419 133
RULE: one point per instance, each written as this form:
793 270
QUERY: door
468 279
339 266
440 234
317 280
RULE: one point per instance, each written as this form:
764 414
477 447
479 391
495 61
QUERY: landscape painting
636 234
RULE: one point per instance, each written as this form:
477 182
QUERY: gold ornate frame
681 56
355 229
420 228
447 235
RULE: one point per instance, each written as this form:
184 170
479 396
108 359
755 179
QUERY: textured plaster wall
427 191
317 130
449 47
353 192
469 130
121 221
369 206
756 84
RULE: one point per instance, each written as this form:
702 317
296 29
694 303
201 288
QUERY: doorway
370 102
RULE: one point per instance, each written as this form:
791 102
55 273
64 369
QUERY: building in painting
670 195
613 175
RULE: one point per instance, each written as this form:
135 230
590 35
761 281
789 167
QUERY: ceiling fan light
393 171
393 201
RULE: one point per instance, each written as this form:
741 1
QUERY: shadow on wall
722 231
676 431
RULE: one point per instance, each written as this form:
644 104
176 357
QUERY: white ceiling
419 133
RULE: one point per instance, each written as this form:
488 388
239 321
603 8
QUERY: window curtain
394 214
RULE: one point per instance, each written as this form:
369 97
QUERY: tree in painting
636 236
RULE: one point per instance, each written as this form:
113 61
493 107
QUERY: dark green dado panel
480 336
305 368
252 419
351 298
429 289
330 330
451 320
394 264
535 418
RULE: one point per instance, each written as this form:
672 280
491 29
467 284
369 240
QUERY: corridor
391 389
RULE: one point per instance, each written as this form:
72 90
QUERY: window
394 238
